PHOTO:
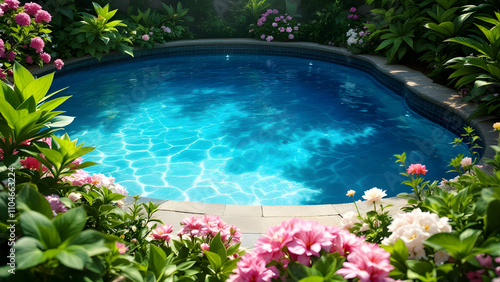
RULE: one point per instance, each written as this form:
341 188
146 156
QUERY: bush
274 26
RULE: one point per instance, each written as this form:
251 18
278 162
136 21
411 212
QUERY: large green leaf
29 252
156 262
73 257
70 223
22 78
215 260
30 199
492 224
38 88
93 241
36 225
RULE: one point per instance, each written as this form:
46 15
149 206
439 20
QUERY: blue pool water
248 129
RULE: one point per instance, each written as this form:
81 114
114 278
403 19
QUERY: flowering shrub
150 37
297 248
275 26
358 40
23 35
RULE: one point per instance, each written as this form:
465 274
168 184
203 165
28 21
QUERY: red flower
417 169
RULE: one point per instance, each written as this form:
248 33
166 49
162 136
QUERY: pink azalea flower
290 36
162 232
29 60
37 44
309 241
475 276
145 37
251 268
32 8
260 23
282 29
59 64
117 188
122 248
416 169
42 16
368 262
23 19
45 57
11 56
56 205
12 4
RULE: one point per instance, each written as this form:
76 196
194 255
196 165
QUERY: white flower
466 162
349 219
117 188
350 193
74 196
440 257
374 195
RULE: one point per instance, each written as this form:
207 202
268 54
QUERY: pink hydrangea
275 11
288 29
56 205
37 44
2 47
277 19
32 8
12 4
42 16
122 248
11 56
288 18
162 232
23 19
417 169
275 24
59 64
145 37
45 57
369 263
29 60
269 38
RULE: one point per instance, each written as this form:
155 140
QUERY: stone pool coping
253 220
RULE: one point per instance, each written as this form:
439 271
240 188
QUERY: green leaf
185 265
29 253
92 241
73 257
156 262
36 225
22 77
217 246
38 88
70 223
419 266
215 260
30 199
299 271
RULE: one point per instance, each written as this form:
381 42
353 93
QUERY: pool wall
436 102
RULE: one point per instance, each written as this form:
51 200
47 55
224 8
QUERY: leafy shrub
274 26
329 25
24 33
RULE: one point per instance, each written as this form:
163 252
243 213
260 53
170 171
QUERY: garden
59 222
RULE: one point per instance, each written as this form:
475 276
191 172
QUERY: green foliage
215 27
99 35
329 25
26 114
176 17
323 268
255 8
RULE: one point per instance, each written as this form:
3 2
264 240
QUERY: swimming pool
243 128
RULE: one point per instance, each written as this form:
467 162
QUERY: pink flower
251 268
168 30
151 33
368 262
204 247
2 76
416 169
290 36
295 28
122 248
2 48
162 232
288 18
263 36
45 57
59 63
42 16
145 37
10 72
275 24
193 227
282 29
1 9
56 205
32 8
269 38
350 16
355 17
12 4
466 162
270 247
288 29
475 276
30 163
117 188
484 260
277 19
259 23
22 19
275 11
79 178
29 60
352 10
37 44
309 241
11 56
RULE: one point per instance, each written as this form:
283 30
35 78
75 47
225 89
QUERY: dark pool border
437 103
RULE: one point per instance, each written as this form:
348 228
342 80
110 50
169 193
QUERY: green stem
359 214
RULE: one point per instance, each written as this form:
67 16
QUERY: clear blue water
248 129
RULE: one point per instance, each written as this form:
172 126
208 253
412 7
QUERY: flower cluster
274 26
352 14
149 37
56 205
208 227
415 227
32 21
357 40
82 177
301 241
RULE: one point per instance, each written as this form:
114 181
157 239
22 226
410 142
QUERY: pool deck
254 220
